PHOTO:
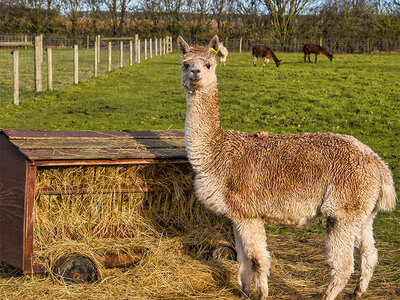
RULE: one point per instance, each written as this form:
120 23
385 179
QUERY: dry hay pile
118 209
170 229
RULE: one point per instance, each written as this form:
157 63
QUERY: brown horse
267 53
317 49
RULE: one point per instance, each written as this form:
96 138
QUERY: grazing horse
317 49
267 53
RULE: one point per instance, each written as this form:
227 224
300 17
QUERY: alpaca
285 179
267 53
222 52
317 49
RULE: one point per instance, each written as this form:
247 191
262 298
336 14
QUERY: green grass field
357 95
63 69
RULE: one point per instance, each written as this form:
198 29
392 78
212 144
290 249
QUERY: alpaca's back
222 51
289 179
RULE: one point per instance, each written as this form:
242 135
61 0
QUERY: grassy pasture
354 94
63 69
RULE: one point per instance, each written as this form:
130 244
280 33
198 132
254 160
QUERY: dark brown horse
317 50
267 53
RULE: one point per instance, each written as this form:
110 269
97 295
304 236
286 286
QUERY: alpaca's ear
214 43
182 45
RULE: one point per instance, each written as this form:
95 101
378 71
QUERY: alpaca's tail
387 197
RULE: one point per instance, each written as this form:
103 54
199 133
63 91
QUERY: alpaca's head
198 65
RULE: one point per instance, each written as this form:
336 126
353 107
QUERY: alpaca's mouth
195 79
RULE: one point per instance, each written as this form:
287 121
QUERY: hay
172 231
94 208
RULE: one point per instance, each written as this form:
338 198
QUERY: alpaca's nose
195 74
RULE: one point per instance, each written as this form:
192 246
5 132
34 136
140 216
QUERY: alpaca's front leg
251 245
244 276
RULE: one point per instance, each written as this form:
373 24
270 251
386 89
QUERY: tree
283 14
118 10
73 8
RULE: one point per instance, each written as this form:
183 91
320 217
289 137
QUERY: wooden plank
46 154
13 134
15 44
98 144
118 39
28 224
12 196
97 162
83 190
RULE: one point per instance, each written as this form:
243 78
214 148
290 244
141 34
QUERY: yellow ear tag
213 51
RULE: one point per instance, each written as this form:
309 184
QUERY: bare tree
283 14
72 9
173 10
118 10
94 8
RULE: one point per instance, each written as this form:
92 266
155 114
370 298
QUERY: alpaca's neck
202 125
326 53
274 57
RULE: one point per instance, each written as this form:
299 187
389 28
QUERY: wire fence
111 54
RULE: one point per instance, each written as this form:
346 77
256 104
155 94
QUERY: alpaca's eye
208 66
186 66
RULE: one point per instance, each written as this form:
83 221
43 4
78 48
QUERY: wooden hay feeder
70 186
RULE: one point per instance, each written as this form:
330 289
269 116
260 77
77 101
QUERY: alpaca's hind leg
368 256
340 250
254 60
251 234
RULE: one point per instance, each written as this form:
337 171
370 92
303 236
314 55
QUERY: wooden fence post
151 48
38 63
121 54
87 42
136 48
240 45
320 41
130 53
95 58
76 62
49 69
145 49
155 45
98 50
139 51
164 46
16 76
109 57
